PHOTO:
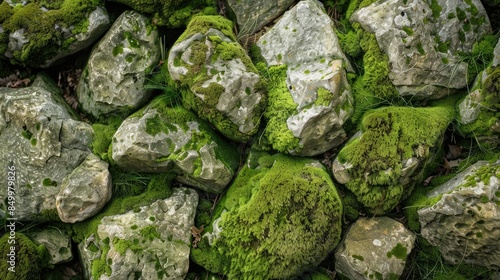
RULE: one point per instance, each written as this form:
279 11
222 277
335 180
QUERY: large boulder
309 95
168 139
113 81
374 248
42 144
224 86
280 217
384 161
463 215
423 41
41 34
85 191
57 243
151 242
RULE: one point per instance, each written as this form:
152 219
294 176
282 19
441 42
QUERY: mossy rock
281 217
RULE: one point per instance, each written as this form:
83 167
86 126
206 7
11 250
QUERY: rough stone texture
46 45
423 42
58 245
279 218
226 88
305 41
43 143
153 242
84 191
374 248
114 78
464 223
166 139
383 162
251 16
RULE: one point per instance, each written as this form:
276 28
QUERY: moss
435 8
103 134
391 135
359 258
324 97
408 30
399 252
272 212
29 258
47 182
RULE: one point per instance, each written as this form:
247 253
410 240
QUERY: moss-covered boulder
168 139
57 243
280 217
113 82
150 242
309 95
384 161
21 258
480 109
42 144
461 216
222 84
426 41
40 33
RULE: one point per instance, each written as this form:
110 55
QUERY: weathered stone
150 243
464 222
57 244
173 139
251 16
114 78
49 32
374 248
225 86
309 96
280 217
382 164
43 144
423 41
84 191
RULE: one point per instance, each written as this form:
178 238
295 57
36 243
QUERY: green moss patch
29 259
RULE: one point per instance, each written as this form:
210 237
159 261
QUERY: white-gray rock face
374 248
465 223
41 144
114 79
85 191
423 42
251 16
305 41
174 139
152 243
57 244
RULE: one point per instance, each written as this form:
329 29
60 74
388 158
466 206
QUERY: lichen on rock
279 218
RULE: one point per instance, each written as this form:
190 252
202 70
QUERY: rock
374 248
113 81
251 16
423 40
85 191
57 244
382 164
40 35
463 218
226 89
309 96
42 145
478 110
173 139
280 217
150 243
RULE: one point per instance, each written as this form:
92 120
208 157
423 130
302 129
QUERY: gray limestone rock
374 248
464 222
304 41
57 244
150 243
226 88
251 16
114 78
42 144
84 191
422 41
173 139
